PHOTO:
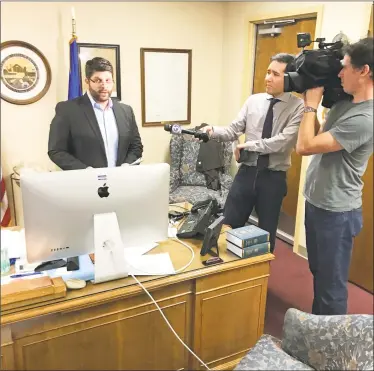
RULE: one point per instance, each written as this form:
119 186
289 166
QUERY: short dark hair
286 58
361 53
97 64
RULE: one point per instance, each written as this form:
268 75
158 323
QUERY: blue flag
75 88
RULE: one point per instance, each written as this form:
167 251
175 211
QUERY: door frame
315 11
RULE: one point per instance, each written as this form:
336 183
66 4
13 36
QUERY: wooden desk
218 311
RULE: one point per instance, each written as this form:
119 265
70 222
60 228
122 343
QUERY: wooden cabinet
229 314
123 334
218 311
7 349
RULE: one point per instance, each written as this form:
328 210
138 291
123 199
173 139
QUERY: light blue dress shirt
108 128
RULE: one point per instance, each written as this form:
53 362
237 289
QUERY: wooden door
371 25
266 47
361 270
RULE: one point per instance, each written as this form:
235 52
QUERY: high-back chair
187 184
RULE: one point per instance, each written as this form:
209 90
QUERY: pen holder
5 264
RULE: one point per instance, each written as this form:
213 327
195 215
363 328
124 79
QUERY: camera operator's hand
312 97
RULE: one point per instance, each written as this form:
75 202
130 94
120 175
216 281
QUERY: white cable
192 257
173 235
155 303
157 306
178 270
167 322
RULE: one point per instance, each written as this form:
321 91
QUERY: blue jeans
329 242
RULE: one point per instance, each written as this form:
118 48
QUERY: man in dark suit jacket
92 130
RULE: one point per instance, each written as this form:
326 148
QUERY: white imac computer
101 211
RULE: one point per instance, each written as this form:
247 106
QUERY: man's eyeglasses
99 81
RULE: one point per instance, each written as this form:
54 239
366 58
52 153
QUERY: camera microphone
177 129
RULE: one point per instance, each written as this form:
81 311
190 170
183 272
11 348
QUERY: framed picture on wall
25 73
110 52
166 86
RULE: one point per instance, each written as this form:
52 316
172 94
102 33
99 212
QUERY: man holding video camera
333 186
270 122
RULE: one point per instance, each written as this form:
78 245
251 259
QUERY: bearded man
93 130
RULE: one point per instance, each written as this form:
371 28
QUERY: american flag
5 210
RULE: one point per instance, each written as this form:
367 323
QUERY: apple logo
103 191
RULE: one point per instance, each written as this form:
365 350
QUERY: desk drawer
232 277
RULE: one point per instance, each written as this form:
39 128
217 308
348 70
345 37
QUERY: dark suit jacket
75 141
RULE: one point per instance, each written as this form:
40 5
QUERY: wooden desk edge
122 292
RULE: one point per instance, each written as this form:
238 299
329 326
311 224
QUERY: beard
101 95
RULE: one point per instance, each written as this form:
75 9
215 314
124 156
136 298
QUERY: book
247 236
248 252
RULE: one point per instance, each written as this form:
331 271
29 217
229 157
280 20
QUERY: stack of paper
14 241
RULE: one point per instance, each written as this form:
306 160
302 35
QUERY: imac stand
110 263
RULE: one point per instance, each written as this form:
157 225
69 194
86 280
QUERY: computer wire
173 237
160 310
178 270
192 255
168 323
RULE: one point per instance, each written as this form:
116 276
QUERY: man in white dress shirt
270 122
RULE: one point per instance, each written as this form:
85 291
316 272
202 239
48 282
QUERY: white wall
132 25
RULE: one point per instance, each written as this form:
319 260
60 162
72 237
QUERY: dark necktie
263 160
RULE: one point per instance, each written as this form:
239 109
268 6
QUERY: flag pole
74 30
73 24
75 86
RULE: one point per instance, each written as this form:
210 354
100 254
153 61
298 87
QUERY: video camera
319 67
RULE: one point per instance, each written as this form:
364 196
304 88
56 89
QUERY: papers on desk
150 265
147 265
139 250
138 263
14 241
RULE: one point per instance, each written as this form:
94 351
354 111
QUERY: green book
248 252
247 236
